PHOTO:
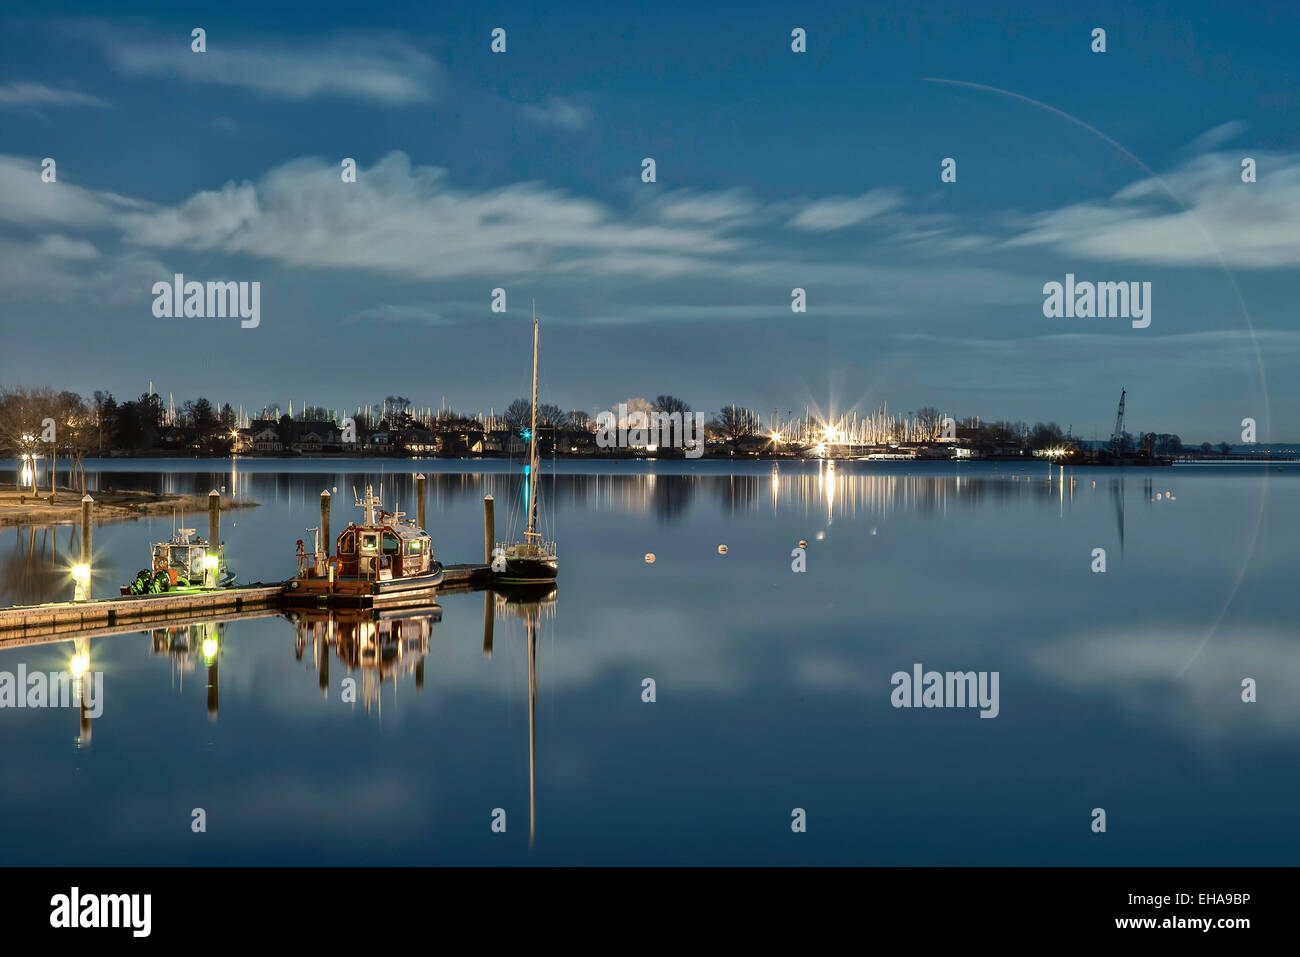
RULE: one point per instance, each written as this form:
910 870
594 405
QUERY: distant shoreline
21 507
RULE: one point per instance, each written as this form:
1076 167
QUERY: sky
774 170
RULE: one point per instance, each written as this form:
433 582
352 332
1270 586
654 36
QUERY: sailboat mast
532 443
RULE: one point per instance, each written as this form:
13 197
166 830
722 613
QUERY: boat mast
532 445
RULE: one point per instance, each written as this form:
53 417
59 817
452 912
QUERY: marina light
81 582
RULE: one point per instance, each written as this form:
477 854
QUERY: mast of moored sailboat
532 446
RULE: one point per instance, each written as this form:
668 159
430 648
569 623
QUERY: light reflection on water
772 687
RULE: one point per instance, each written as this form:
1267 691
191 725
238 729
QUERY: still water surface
1119 690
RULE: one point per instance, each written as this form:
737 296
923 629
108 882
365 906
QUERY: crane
1117 436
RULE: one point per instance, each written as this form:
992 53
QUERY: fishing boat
182 564
533 560
386 560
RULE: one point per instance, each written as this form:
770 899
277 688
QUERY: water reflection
381 646
190 647
36 568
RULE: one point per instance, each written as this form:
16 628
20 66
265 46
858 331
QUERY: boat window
413 548
370 541
391 544
347 544
180 556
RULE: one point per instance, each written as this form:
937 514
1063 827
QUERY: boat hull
527 571
317 592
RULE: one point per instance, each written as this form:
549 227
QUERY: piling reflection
191 647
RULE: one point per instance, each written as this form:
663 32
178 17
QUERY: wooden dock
27 624
24 624
460 578
32 621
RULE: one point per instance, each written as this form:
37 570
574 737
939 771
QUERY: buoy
722 549
649 558
803 543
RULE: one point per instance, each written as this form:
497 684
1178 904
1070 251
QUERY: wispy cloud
1211 212
409 221
24 198
1214 138
840 212
422 313
559 113
378 68
38 94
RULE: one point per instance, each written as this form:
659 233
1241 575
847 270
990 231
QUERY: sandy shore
22 508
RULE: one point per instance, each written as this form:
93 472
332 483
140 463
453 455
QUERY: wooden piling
489 528
87 513
214 521
419 500
325 522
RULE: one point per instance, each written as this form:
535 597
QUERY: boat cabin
387 550
182 557
386 546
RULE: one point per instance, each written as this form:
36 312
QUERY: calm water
1119 690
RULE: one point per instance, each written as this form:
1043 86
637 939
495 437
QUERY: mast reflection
532 605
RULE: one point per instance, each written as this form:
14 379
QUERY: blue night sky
775 170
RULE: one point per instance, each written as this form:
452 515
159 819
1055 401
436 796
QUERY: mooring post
325 523
82 572
489 528
419 500
211 567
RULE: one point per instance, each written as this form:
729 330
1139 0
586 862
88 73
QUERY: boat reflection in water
188 646
383 645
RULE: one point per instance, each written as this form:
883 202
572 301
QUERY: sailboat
532 560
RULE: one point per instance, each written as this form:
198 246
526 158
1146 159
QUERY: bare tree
671 404
518 414
23 422
733 424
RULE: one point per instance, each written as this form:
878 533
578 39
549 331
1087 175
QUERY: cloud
1252 225
701 206
61 247
409 221
839 212
422 313
38 94
24 198
1213 139
377 68
559 113
61 270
